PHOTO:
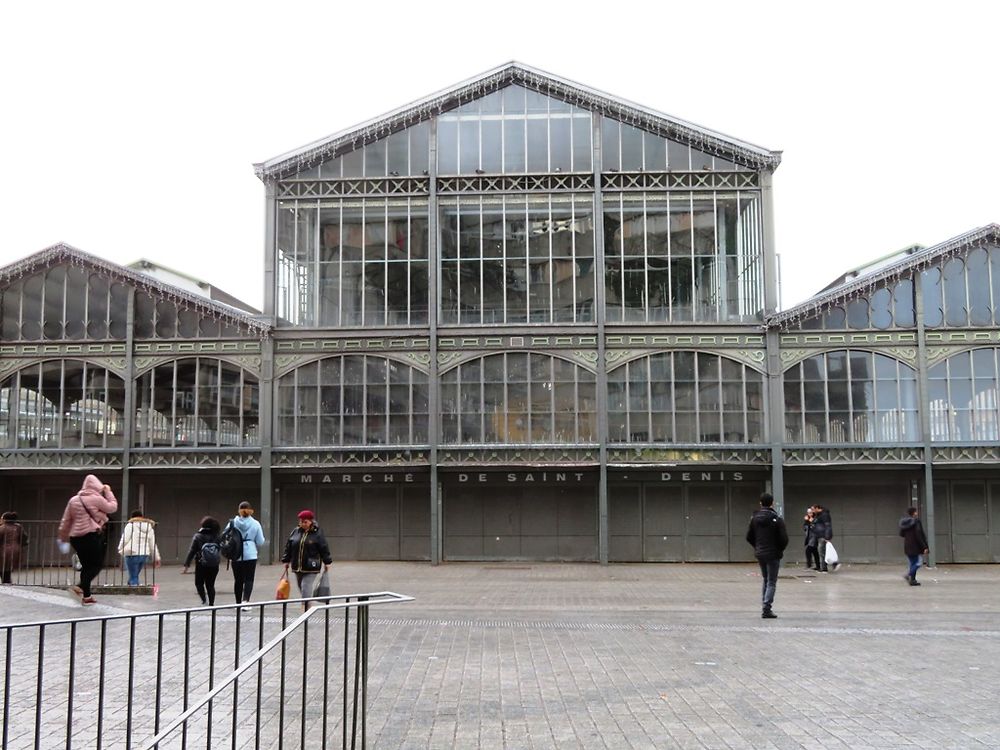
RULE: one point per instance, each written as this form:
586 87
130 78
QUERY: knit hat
307 515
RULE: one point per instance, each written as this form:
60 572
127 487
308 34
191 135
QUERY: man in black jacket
769 537
914 542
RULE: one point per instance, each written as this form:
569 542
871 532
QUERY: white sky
129 129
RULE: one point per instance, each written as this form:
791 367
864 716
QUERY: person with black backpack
240 540
206 552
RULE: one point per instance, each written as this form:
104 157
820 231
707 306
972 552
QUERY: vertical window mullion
481 264
550 316
572 240
408 259
314 283
363 318
645 256
173 406
503 251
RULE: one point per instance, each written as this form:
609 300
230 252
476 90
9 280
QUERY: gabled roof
63 253
906 262
614 107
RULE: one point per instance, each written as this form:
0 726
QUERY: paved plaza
540 655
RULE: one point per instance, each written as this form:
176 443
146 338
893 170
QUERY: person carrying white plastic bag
832 559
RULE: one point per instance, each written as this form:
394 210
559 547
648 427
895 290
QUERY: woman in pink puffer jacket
82 526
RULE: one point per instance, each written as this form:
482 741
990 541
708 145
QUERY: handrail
72 672
216 608
365 601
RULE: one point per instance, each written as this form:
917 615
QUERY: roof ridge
65 251
513 72
917 261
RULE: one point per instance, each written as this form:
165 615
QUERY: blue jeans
133 564
914 565
769 574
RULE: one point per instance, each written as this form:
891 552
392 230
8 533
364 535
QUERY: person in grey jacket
769 537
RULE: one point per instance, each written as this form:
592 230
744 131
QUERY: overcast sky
130 132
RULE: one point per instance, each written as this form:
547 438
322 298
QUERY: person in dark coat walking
812 542
306 552
206 566
13 540
914 542
769 537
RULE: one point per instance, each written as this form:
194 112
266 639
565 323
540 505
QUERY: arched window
518 398
685 397
963 399
62 404
64 302
851 397
352 400
199 401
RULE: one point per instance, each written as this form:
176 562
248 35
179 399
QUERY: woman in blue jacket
245 568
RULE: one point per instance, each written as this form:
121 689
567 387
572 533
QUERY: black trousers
204 582
90 549
243 573
812 557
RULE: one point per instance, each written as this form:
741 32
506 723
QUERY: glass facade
963 399
626 148
682 257
62 404
197 402
685 397
851 397
517 259
963 291
352 262
352 400
514 131
518 398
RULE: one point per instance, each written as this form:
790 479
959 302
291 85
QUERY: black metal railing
41 563
262 675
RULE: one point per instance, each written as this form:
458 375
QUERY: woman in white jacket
137 545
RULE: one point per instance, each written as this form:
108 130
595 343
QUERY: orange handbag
283 588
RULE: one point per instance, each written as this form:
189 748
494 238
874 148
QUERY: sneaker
914 582
76 591
768 615
88 600
836 567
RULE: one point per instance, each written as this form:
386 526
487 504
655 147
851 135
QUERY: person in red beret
306 553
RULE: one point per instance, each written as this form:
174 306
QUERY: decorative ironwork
347 457
197 347
351 187
169 459
517 342
687 340
61 459
513 456
820 339
647 456
628 181
517 183
853 455
352 345
965 454
101 349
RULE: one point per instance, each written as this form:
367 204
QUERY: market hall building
519 319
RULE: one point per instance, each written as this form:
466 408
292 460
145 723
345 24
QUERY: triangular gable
703 139
908 265
62 253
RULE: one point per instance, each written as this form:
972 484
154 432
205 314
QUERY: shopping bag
322 587
832 558
283 588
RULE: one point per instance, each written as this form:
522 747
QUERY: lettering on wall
386 478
